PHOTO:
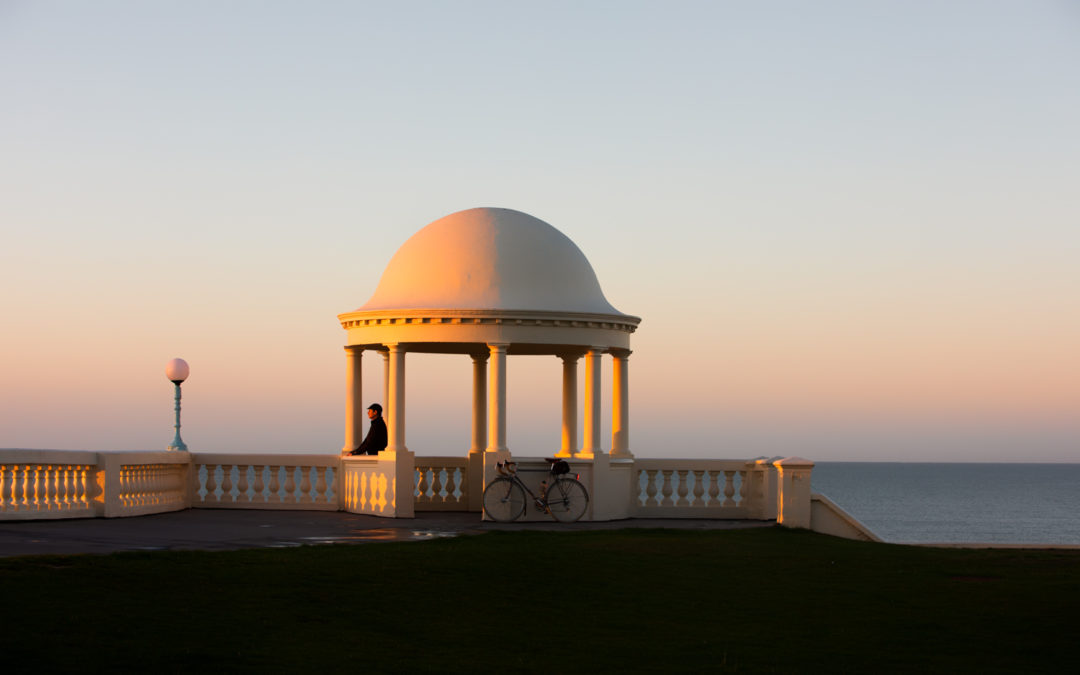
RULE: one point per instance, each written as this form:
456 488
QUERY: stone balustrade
701 488
40 484
442 484
247 481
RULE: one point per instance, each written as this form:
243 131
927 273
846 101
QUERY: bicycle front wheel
504 500
567 500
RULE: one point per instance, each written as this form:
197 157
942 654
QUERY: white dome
490 258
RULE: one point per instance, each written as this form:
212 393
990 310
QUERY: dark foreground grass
761 600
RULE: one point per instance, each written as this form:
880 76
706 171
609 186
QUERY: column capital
595 350
498 346
619 353
572 354
352 350
480 356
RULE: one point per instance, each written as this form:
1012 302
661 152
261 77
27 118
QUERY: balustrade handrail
329 460
697 464
29 456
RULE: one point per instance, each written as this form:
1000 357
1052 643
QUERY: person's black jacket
375 439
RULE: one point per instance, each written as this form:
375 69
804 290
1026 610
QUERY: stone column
569 405
386 403
354 399
497 398
395 403
620 406
479 405
479 432
592 403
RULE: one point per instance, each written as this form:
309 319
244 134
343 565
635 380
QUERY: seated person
376 435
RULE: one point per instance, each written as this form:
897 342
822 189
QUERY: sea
922 503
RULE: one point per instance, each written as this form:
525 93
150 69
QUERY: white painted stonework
492 284
487 284
490 259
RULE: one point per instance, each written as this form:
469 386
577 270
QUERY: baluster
43 487
451 485
130 487
422 486
242 484
37 487
275 487
67 488
59 487
66 485
436 484
463 487
742 488
320 485
683 488
5 485
666 489
81 497
48 492
259 497
25 488
714 489
650 488
305 485
122 489
152 477
10 491
290 484
134 485
211 483
729 488
18 488
226 483
699 487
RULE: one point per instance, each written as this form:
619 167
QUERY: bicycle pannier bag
560 467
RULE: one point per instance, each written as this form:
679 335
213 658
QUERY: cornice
484 317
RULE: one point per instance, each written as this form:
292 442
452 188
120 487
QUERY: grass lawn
757 600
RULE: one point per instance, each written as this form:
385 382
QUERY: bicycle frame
510 472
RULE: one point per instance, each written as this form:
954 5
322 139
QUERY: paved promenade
228 529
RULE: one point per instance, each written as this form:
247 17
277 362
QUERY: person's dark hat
376 407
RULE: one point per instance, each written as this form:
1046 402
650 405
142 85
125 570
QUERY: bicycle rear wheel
567 500
504 500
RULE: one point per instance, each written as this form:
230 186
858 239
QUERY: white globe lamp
177 371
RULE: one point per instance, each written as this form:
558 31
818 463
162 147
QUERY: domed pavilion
490 283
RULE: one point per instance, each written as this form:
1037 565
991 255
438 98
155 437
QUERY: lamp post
177 371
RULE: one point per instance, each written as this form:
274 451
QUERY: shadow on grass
759 600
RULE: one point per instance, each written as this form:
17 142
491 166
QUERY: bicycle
565 499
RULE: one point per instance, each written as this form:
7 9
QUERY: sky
851 229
